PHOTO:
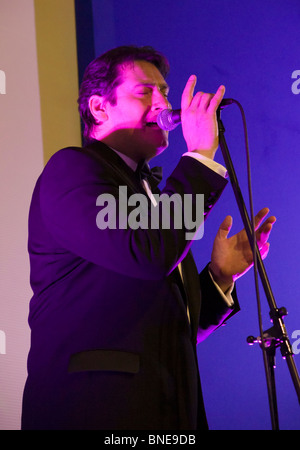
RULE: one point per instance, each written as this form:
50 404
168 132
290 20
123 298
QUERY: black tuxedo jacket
111 343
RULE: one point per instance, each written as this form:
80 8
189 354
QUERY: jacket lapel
115 164
191 285
189 273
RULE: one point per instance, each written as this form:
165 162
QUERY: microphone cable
255 266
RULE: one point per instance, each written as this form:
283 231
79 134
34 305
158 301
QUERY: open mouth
152 124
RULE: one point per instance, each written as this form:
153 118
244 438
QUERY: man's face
131 122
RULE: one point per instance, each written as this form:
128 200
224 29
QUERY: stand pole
278 332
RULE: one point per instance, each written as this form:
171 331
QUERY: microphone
168 119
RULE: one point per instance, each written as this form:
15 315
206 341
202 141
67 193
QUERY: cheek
132 115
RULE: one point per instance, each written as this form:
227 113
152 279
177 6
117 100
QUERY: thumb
225 227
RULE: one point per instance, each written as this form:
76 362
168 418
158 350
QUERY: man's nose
160 101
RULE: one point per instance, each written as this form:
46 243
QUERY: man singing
116 313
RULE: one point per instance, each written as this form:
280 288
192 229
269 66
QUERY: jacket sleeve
214 310
70 185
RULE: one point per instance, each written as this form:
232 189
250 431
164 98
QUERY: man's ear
97 108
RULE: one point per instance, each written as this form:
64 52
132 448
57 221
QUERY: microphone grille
164 120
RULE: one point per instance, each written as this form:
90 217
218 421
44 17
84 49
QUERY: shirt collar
132 164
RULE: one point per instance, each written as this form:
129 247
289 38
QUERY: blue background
252 48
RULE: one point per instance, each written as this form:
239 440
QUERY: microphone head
165 120
169 119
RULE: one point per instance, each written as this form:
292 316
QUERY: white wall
21 161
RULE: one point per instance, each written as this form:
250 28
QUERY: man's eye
144 91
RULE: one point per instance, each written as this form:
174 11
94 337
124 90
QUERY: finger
265 230
225 227
216 99
260 217
265 250
188 92
196 101
205 101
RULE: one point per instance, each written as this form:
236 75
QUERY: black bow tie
153 176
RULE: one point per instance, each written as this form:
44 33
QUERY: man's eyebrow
162 86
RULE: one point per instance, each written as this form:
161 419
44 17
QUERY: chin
157 150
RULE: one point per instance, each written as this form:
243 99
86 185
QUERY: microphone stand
276 336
